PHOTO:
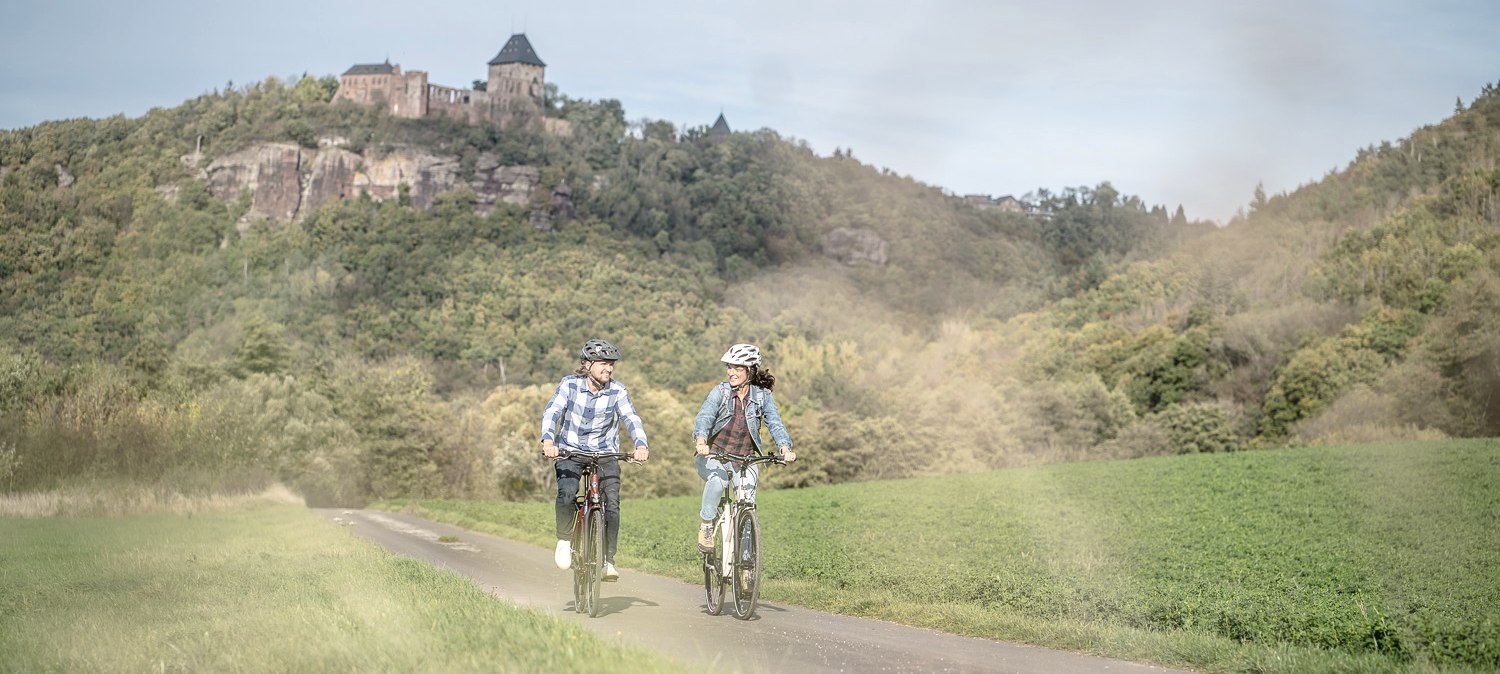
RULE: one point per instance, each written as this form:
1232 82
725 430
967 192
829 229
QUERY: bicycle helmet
742 354
598 349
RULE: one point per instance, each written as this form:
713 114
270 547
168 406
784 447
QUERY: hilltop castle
515 92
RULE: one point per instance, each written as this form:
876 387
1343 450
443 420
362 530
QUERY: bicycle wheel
713 581
580 576
595 560
746 568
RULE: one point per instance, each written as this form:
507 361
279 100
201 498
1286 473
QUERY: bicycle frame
588 535
720 564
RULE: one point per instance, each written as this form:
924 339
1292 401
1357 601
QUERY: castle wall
461 104
516 89
369 89
414 99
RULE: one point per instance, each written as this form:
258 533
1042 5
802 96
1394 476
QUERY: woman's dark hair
761 378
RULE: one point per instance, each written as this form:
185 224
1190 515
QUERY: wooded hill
152 334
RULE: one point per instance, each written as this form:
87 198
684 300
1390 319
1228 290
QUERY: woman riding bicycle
730 419
591 405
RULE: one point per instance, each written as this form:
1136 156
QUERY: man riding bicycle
590 405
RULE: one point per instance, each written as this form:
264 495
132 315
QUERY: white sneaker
564 554
610 574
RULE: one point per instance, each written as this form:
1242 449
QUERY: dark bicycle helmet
598 349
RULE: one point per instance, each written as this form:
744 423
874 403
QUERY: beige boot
706 535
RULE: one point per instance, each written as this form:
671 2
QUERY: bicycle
735 557
588 530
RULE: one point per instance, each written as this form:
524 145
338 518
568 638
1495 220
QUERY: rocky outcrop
332 178
853 246
560 210
270 174
496 184
287 181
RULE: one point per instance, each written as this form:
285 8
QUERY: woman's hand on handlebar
788 456
702 447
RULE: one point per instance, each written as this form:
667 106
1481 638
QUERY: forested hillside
153 333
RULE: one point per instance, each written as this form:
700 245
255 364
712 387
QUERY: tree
264 349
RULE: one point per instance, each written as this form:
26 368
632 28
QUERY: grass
1367 558
266 589
100 499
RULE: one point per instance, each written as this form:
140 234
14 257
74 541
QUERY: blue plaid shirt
590 421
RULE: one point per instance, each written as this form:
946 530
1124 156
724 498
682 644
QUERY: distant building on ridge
720 130
515 93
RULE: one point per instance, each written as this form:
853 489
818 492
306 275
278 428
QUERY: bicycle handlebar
593 457
747 460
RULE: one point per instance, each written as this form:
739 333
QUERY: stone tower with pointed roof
518 79
720 130
515 93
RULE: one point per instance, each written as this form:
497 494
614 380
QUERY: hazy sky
1186 102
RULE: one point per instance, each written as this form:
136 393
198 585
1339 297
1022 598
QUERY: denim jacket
718 407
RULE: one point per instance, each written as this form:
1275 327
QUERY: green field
1366 558
265 590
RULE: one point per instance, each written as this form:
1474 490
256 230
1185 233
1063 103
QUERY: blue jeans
716 476
568 474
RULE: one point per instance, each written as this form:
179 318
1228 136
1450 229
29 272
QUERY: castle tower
518 81
720 130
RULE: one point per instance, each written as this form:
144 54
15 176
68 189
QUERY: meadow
1382 557
260 589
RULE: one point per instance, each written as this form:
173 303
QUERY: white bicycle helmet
742 354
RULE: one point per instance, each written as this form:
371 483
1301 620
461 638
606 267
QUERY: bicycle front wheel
580 574
595 560
745 577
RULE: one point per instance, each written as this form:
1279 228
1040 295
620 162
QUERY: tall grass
109 499
272 589
1370 558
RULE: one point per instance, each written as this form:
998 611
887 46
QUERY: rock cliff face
853 246
286 181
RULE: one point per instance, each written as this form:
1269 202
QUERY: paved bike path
669 616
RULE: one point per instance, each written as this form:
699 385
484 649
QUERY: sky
1180 102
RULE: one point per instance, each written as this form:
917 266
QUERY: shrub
1199 428
1361 415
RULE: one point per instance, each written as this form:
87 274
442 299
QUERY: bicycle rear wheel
595 560
745 578
713 581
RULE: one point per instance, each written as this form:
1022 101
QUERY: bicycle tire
595 560
745 576
713 581
580 579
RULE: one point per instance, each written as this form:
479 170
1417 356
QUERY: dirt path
668 615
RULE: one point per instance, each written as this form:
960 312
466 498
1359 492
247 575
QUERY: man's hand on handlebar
549 449
642 453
